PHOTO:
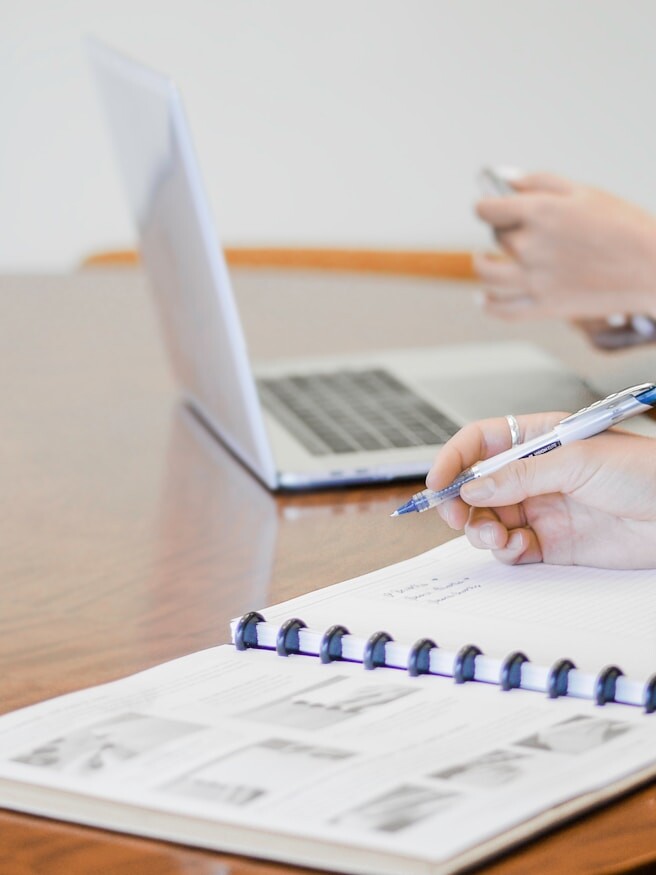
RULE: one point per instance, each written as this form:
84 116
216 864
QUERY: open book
367 768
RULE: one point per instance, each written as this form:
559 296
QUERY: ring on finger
513 425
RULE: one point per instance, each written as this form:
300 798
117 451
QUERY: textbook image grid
328 703
221 780
97 748
258 770
408 804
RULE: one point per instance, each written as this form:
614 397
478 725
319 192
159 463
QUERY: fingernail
486 534
515 542
478 490
445 513
479 298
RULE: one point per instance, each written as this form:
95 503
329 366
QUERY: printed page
410 768
458 595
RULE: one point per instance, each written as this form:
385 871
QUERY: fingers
490 527
541 181
454 512
521 548
560 472
505 295
506 213
500 274
485 530
480 440
502 212
476 441
510 544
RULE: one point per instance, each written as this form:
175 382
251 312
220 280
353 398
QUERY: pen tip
395 513
408 507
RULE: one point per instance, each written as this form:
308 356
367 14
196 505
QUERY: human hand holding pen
591 502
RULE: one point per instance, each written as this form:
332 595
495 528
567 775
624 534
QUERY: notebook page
322 765
459 595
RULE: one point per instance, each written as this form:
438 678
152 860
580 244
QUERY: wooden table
129 537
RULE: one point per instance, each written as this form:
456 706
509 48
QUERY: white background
349 122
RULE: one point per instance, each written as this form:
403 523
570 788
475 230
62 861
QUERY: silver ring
513 425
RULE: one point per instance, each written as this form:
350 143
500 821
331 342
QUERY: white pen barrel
598 419
580 425
535 447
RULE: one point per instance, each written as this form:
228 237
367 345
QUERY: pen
580 425
495 181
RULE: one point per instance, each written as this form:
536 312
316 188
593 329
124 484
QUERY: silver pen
580 425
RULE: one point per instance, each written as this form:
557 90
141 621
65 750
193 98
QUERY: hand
591 502
570 251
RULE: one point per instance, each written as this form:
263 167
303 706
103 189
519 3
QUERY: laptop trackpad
497 394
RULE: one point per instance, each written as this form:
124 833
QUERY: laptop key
350 411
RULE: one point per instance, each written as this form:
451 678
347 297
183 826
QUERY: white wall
349 122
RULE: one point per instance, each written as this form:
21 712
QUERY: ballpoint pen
580 425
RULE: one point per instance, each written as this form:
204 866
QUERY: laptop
299 424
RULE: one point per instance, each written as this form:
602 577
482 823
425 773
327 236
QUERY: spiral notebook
454 612
425 717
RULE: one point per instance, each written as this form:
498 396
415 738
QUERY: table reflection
216 537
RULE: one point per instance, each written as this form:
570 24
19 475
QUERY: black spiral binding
511 671
246 631
419 657
330 648
374 650
650 695
464 667
558 678
287 638
605 684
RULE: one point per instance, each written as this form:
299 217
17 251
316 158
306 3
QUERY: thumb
559 471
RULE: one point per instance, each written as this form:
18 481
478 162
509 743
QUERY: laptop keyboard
351 411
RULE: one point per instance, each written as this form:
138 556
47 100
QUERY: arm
592 502
570 251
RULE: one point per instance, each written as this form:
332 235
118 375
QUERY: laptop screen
180 251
